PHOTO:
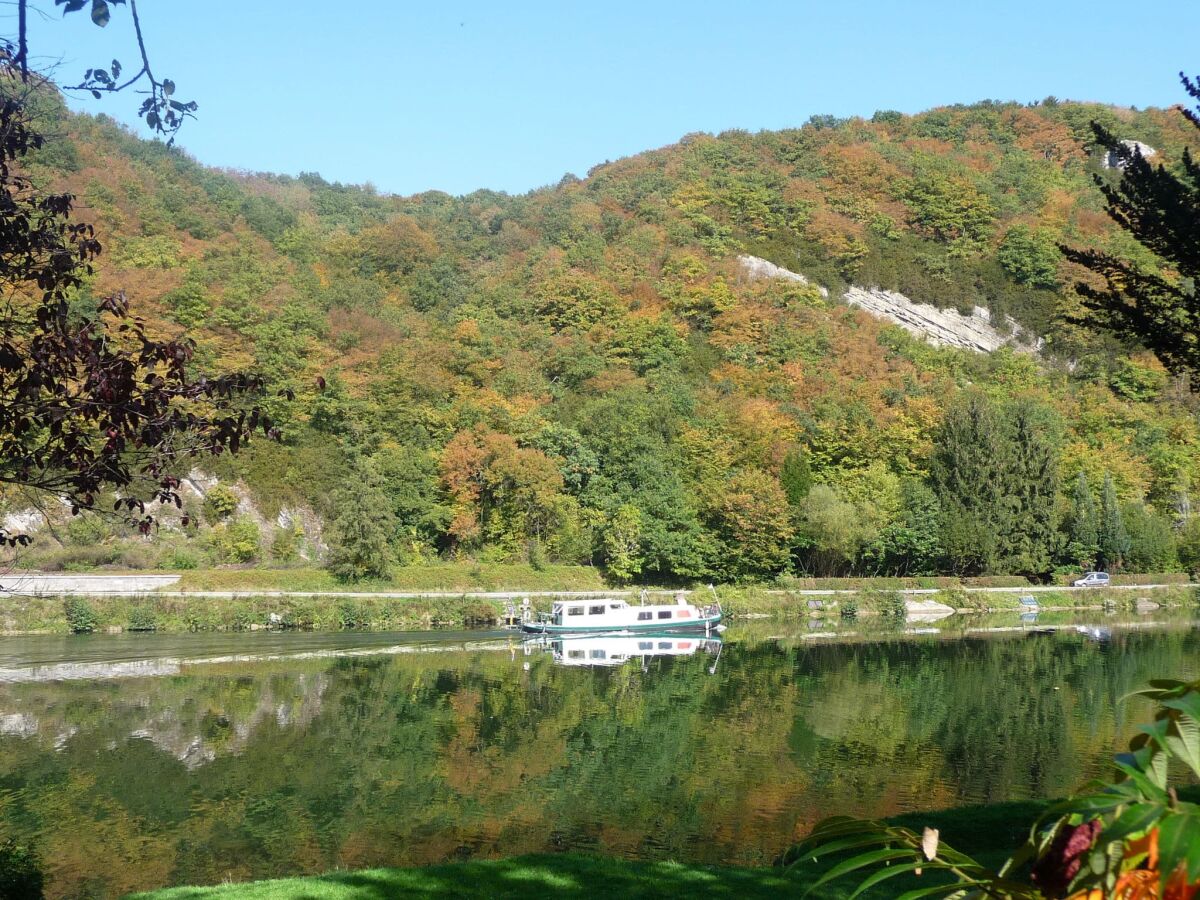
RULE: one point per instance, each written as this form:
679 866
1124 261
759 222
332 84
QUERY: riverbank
172 610
989 833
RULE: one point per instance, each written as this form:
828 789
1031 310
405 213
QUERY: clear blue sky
458 94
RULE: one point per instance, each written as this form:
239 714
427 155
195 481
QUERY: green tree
1031 487
1030 257
622 543
795 477
359 536
995 473
1113 538
1189 545
1151 540
831 532
969 473
1084 536
754 525
950 208
911 545
235 542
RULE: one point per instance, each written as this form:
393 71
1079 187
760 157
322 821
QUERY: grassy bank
181 613
769 600
990 833
451 576
172 612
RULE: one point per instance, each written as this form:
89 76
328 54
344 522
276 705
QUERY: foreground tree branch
90 402
162 112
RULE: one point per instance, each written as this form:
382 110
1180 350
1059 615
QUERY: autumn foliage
587 373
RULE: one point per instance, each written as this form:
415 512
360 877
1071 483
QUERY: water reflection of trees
266 770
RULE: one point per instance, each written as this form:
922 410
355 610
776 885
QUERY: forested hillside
586 374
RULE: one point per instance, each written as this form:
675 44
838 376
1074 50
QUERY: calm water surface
140 761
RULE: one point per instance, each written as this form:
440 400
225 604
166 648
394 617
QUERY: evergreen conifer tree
1031 490
1114 538
968 458
1161 210
361 532
995 474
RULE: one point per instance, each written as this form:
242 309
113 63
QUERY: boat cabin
609 614
606 612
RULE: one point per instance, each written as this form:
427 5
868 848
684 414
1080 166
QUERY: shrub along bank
174 613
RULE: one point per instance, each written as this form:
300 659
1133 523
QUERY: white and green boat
610 615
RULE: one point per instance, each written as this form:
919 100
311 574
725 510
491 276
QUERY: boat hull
706 623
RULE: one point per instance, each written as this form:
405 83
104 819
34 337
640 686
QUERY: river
137 761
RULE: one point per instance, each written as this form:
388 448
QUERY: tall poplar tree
1113 538
1085 529
795 477
1031 489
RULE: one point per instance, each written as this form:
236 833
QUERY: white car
1092 579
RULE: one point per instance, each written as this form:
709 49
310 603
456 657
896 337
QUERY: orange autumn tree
507 494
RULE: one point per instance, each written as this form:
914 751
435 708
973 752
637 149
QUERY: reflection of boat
608 615
614 650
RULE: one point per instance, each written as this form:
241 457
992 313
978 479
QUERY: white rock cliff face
756 267
941 327
1111 160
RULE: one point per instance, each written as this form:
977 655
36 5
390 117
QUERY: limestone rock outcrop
1113 161
755 267
942 327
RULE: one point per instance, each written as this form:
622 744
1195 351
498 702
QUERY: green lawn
990 833
560 875
450 576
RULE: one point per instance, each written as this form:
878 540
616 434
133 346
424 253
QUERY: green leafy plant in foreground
1130 838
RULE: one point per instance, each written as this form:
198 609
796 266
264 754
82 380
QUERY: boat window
643 616
574 610
614 606
597 654
596 610
664 645
683 614
664 614
645 645
576 654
